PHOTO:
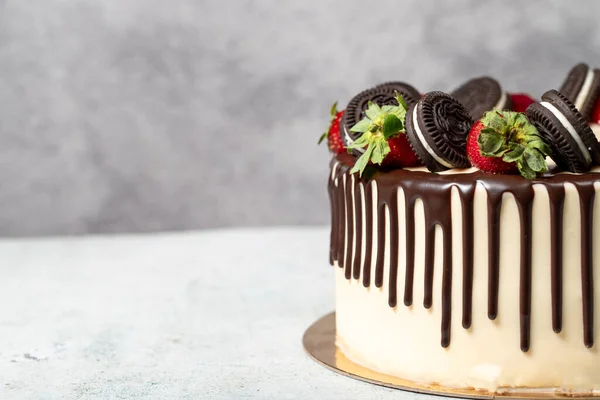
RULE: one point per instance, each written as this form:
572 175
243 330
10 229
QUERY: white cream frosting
565 122
405 341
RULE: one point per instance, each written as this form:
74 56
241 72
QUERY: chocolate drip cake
466 243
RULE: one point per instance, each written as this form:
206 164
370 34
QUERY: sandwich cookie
582 88
381 95
437 128
573 143
482 94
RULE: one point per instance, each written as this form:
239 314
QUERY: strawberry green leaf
363 141
401 101
391 126
369 172
387 109
491 131
539 144
493 121
400 113
323 136
373 111
525 170
530 130
535 160
514 155
362 161
362 126
382 148
333 110
490 143
377 156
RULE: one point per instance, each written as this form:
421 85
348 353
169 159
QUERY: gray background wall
142 115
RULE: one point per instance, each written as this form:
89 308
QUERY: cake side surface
470 279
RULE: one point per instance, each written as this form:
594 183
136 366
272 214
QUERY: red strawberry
401 154
520 101
596 114
493 165
505 142
334 138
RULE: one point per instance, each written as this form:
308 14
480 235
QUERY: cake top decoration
479 125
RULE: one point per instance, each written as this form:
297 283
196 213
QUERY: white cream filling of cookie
596 129
585 89
501 104
425 144
349 140
565 122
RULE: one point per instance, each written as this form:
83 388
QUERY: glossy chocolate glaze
434 191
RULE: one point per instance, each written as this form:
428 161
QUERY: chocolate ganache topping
380 195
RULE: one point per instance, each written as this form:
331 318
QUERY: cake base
319 343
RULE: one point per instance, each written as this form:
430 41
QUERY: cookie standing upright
574 145
482 94
582 88
437 127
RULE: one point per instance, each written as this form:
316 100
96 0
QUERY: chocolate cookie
582 88
381 95
437 128
574 145
482 94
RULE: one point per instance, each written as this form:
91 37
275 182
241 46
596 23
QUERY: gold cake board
319 343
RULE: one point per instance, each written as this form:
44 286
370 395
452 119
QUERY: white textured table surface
209 315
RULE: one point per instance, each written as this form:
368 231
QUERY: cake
465 235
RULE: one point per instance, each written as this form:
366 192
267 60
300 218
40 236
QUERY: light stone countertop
199 315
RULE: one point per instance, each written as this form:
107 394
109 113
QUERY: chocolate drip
435 191
356 267
494 202
333 245
341 212
380 245
433 217
429 260
586 201
368 234
525 204
409 210
447 285
467 193
556 194
349 227
393 284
